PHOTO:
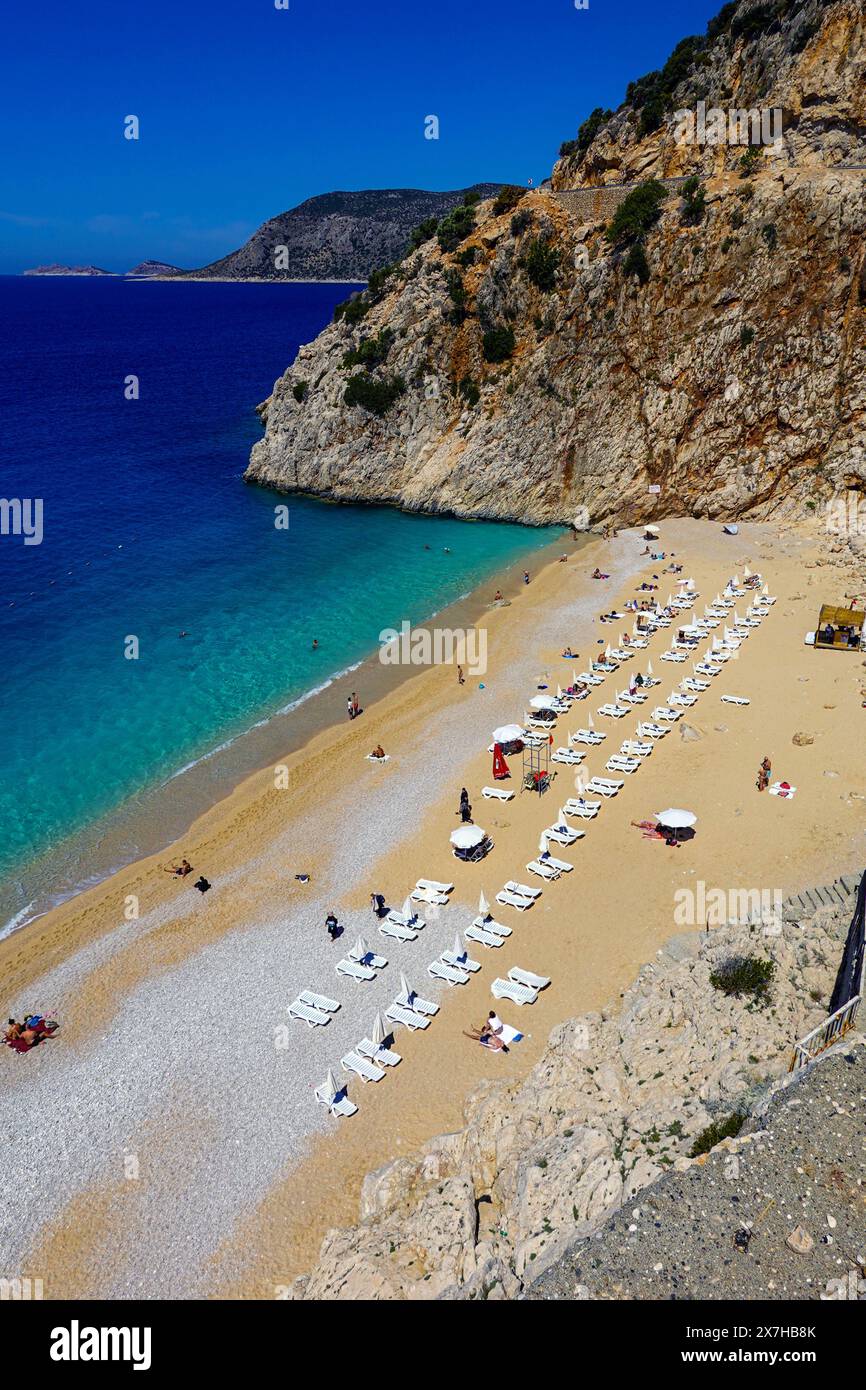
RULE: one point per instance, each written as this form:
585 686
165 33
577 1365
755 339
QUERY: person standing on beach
349 709
764 775
332 926
461 679
356 707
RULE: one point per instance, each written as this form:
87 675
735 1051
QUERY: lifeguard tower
536 767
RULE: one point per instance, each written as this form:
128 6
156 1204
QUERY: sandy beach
188 1156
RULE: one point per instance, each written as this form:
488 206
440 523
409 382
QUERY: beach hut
839 629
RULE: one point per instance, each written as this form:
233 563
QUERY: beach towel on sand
782 789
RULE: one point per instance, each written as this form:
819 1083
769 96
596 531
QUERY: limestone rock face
733 379
615 1102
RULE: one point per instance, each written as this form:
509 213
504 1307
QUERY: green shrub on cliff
498 344
423 232
694 201
507 198
540 263
715 1133
375 394
370 352
455 228
744 975
299 391
636 263
636 213
351 310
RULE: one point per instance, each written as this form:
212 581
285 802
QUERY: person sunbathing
569 654
597 574
485 1037
378 751
179 870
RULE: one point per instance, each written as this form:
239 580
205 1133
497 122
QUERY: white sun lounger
618 763
586 810
560 864
607 666
632 749
489 925
735 700
607 786
433 886
354 970
589 736
340 1105
319 1001
462 962
428 895
650 730
673 656
706 669
526 977
383 1055
418 1006
397 932
484 938
512 886
397 1013
613 711
678 698
451 974
564 837
368 958
590 678
666 713
399 919
698 687
314 1018
510 989
497 793
361 1066
567 756
631 698
544 870
509 899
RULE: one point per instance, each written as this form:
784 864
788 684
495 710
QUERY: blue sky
246 110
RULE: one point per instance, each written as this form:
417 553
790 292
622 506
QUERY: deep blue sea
149 531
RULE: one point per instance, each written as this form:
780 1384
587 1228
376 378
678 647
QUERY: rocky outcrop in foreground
615 1103
792 1184
706 357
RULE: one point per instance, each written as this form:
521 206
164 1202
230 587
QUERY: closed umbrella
559 692
562 820
581 782
500 766
649 668
405 992
458 948
676 819
590 722
483 905
747 573
607 652
408 909
360 949
332 1090
543 844
380 1032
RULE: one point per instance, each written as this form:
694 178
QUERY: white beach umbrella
690 583
542 702
467 836
332 1090
380 1031
735 582
408 909
559 692
360 949
405 990
676 819
508 733
607 652
747 573
652 530
649 668
561 817
458 948
765 591
581 782
590 722
543 844
483 904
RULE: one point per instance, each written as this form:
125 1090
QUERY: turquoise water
149 532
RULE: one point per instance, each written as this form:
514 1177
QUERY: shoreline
216 774
246 1219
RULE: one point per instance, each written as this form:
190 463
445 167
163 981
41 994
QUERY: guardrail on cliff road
847 993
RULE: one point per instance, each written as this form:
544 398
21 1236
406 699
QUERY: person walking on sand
526 576
461 679
349 710
356 707
332 926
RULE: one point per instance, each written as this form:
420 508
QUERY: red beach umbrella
500 766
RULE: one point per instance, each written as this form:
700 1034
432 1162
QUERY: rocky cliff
539 363
336 236
617 1101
